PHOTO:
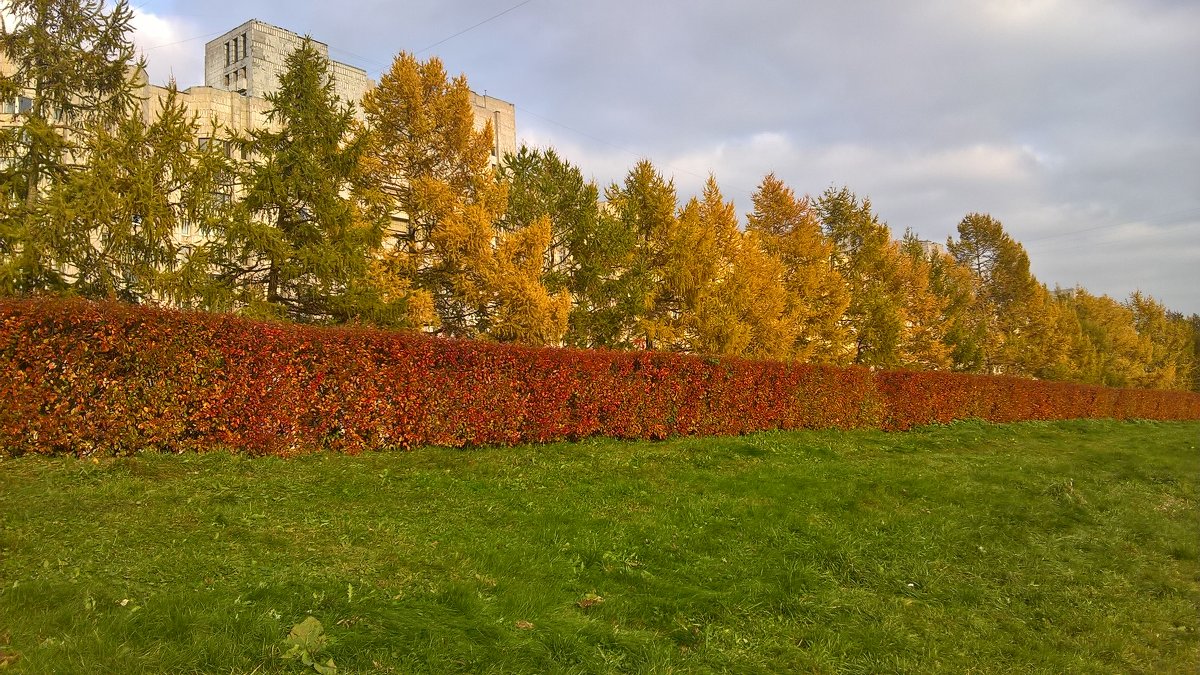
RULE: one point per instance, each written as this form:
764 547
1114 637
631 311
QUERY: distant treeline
405 221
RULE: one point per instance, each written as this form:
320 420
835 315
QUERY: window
236 45
228 59
185 228
226 80
204 142
10 106
245 46
24 104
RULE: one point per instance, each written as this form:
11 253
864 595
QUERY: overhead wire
471 28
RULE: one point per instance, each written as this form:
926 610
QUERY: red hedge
80 377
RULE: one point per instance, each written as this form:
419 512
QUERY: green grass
1065 547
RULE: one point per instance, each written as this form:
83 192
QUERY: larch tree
1026 330
300 248
817 295
143 187
447 250
892 316
578 258
737 303
72 66
962 333
1168 337
1119 354
640 304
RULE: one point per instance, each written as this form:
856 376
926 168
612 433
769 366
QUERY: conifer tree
817 295
640 304
955 312
300 248
1167 343
892 316
736 303
581 250
1118 354
72 67
1026 332
129 207
447 251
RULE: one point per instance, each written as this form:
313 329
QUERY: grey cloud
1052 116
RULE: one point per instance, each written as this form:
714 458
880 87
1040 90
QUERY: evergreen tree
72 68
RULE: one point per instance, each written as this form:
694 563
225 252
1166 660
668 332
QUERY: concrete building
250 58
243 66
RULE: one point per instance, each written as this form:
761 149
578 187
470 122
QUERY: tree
639 303
445 248
72 67
892 316
542 184
1008 298
1168 344
128 206
1194 322
817 295
736 303
582 250
301 247
1118 356
963 334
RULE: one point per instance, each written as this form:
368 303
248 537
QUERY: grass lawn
1064 547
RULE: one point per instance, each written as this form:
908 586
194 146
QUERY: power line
172 44
466 30
1156 233
1162 218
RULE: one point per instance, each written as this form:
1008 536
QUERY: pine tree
73 68
301 247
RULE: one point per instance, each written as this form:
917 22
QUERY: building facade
250 59
243 66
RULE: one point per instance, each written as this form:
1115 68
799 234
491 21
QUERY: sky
1076 123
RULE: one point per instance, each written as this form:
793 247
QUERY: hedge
82 377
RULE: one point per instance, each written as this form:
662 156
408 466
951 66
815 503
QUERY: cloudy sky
1074 122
